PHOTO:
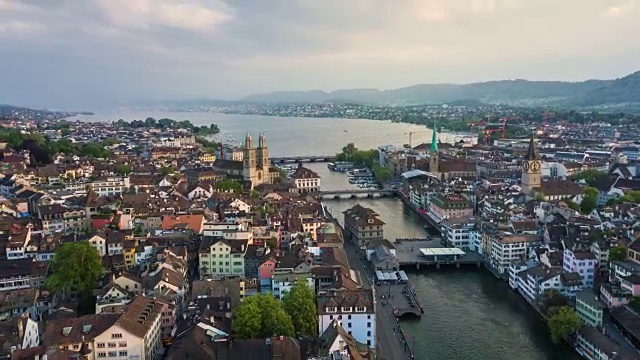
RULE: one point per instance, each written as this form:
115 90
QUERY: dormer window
361 309
346 309
331 309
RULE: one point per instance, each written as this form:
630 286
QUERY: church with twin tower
256 167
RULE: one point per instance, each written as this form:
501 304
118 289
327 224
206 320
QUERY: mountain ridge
588 93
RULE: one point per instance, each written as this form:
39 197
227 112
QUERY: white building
282 283
504 249
582 262
456 232
136 334
354 309
305 180
110 186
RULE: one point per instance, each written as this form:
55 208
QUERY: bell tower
249 161
531 178
263 152
434 160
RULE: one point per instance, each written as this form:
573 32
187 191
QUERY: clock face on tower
535 166
525 166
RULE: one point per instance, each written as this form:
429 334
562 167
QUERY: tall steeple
262 140
248 141
434 139
532 153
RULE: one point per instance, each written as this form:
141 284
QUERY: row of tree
166 123
368 158
262 315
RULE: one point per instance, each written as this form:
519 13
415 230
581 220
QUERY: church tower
531 170
249 162
434 160
263 152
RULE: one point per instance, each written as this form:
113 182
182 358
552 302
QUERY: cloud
181 15
93 52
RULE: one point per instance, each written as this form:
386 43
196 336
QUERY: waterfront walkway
390 343
412 253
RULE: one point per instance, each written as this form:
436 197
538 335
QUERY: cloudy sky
86 53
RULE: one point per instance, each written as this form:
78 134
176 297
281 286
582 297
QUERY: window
113 353
122 344
346 309
111 345
100 345
102 354
331 309
122 353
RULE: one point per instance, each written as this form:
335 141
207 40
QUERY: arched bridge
304 158
355 193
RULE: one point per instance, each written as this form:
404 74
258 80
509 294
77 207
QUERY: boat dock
431 253
396 292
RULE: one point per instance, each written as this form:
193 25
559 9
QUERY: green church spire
434 139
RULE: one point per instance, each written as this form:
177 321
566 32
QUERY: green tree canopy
261 316
272 243
618 253
381 173
166 170
230 185
75 266
551 299
591 176
563 323
123 169
634 303
300 304
588 204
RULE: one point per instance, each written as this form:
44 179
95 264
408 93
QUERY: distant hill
618 93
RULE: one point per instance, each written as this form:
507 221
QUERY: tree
255 194
75 266
123 169
166 170
563 323
261 316
588 204
300 304
618 253
230 185
592 176
551 299
634 303
272 243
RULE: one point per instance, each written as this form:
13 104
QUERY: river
469 314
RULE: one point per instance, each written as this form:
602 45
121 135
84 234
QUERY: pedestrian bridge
355 193
303 158
401 298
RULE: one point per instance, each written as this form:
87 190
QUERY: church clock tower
434 160
531 170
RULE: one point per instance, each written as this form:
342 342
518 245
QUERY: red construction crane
473 126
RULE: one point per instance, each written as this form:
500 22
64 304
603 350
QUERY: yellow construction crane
410 133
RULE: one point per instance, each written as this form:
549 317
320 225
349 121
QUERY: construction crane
410 133
502 124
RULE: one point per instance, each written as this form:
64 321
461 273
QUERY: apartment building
581 262
456 232
221 257
503 249
450 206
354 309
363 225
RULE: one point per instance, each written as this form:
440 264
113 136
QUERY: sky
93 53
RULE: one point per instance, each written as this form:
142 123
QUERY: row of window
111 344
345 309
112 354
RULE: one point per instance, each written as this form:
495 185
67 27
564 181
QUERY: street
388 341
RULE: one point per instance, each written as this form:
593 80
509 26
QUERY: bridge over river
302 158
354 193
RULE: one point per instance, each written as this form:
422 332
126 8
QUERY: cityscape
319 180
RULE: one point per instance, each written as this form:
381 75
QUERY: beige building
362 225
305 180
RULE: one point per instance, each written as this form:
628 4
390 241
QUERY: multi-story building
354 309
52 218
133 334
581 262
450 206
221 257
22 273
19 332
110 186
455 232
282 282
592 344
589 308
502 249
305 180
362 225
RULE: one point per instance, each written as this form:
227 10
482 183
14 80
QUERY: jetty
421 253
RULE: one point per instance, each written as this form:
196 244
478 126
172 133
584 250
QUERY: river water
469 314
